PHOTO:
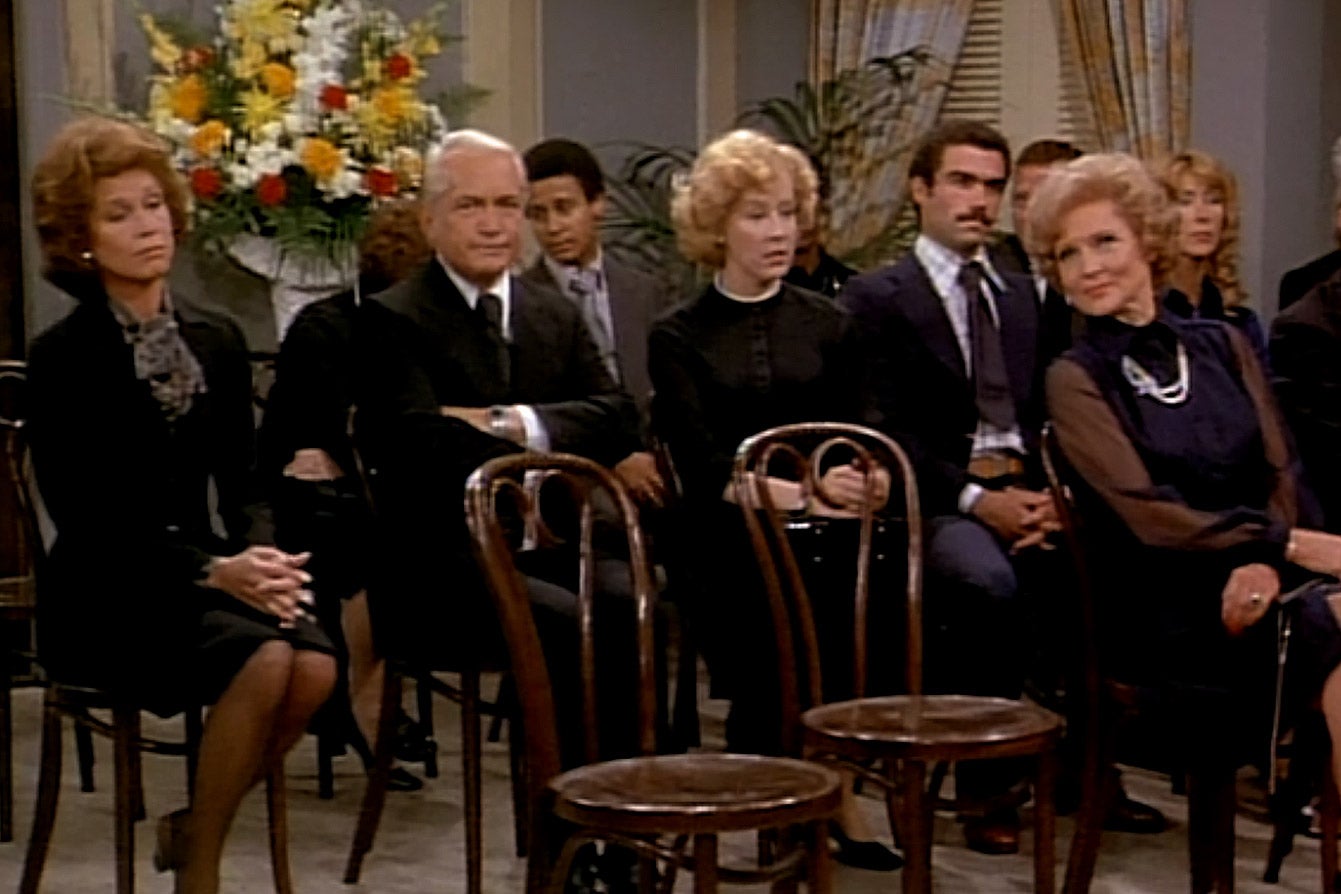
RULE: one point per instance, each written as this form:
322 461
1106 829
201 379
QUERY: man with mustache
953 345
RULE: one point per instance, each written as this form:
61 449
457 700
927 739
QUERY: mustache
981 217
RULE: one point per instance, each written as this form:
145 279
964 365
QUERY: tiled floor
419 847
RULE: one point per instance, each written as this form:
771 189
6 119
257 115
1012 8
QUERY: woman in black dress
1204 281
136 409
1189 486
749 353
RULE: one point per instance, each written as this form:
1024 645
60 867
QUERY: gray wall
1270 106
616 71
772 46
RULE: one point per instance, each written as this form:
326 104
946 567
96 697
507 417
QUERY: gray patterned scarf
162 358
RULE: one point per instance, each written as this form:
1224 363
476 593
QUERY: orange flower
279 79
390 105
188 98
321 159
209 138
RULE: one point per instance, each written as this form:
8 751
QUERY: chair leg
819 878
1098 788
124 781
1045 844
1210 795
136 769
374 795
48 793
1327 846
277 806
505 702
914 826
424 698
195 728
84 751
326 748
470 768
705 864
521 811
6 753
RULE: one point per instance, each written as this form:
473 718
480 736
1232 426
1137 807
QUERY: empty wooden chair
666 808
902 734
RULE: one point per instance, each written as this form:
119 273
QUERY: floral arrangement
296 118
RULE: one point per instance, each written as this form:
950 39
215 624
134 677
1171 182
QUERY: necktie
585 287
991 384
489 308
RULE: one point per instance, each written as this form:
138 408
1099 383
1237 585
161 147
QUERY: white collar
502 287
561 272
942 264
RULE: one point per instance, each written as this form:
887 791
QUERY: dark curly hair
85 151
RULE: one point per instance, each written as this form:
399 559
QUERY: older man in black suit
473 363
619 304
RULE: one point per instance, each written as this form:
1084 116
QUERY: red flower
271 190
398 67
334 96
206 183
381 182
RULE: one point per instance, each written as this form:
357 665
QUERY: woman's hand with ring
1248 593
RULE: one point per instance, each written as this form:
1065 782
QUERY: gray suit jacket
636 301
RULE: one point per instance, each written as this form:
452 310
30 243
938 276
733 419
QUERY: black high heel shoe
869 855
399 780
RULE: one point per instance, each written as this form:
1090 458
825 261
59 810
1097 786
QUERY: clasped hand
844 489
267 579
1021 517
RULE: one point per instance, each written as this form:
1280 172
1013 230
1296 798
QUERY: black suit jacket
924 396
1296 283
1060 322
1306 374
636 301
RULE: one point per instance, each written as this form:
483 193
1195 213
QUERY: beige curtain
1135 57
886 107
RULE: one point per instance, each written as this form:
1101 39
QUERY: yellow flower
279 79
249 60
188 98
320 158
162 48
390 105
259 109
263 21
209 138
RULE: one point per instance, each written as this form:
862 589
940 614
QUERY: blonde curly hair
1107 177
1214 176
726 169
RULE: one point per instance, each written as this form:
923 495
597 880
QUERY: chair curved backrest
21 529
525 486
804 448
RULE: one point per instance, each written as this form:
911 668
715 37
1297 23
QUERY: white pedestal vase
295 280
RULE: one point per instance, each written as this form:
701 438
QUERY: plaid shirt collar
942 266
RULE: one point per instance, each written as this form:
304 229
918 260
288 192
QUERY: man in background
1298 282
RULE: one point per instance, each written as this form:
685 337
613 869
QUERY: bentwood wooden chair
668 809
17 575
901 734
1105 702
95 712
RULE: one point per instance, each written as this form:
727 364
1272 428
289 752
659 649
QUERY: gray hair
436 180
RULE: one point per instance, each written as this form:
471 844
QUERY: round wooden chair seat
696 793
936 727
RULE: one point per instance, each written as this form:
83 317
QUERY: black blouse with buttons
723 370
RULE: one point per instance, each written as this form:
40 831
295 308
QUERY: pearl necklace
1172 394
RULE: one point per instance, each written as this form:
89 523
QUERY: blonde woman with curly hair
1185 474
748 353
1204 280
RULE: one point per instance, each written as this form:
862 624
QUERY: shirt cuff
537 438
968 498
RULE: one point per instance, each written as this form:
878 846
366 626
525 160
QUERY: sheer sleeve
1095 444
